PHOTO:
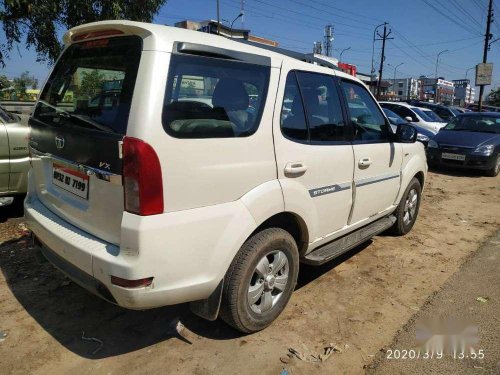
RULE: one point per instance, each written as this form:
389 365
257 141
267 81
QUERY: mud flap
208 308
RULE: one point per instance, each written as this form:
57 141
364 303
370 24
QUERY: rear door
377 160
77 129
313 151
4 154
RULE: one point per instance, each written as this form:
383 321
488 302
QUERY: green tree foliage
91 83
25 81
4 82
494 97
39 22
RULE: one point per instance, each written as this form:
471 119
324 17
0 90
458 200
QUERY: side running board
343 244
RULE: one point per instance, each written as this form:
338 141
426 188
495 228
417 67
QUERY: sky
420 28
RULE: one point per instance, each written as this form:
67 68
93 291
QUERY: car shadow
68 312
14 210
457 172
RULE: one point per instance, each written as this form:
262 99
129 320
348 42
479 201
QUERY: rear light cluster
142 178
95 34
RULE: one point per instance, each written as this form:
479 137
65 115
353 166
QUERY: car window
476 123
293 119
213 98
404 112
422 114
443 113
432 115
92 85
368 120
322 107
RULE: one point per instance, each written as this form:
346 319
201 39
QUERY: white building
404 88
464 92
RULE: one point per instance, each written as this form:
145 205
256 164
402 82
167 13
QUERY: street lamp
345 49
436 76
239 16
394 79
373 51
467 90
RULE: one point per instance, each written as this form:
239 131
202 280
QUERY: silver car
14 160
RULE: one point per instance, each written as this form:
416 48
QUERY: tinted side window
405 112
365 115
293 120
322 107
213 98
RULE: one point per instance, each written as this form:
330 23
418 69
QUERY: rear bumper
90 262
470 162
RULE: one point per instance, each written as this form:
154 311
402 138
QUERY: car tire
407 210
260 280
493 172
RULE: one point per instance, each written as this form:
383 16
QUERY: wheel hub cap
268 282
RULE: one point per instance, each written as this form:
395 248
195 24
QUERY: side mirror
406 134
408 118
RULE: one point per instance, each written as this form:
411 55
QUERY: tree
4 82
91 83
25 81
39 21
494 97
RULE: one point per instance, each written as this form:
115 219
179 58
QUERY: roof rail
306 57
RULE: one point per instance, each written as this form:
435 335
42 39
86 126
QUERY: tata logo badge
59 142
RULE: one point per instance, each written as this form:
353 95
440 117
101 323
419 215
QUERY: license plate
446 155
70 180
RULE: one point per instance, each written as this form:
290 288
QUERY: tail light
142 179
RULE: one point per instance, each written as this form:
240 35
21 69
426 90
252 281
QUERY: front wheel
407 211
493 172
260 280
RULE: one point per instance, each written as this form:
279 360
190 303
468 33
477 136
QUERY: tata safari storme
173 166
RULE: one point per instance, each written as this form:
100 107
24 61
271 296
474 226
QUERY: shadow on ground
457 172
65 310
15 210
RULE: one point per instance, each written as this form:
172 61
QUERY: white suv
173 166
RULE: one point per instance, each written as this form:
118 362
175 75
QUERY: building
211 26
464 92
445 90
404 88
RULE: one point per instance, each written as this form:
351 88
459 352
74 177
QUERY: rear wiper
88 121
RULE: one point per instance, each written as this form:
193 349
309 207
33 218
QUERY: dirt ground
358 302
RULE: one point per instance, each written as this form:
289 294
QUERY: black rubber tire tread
234 308
493 172
399 228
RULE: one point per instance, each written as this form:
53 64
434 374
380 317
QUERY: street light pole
436 99
232 23
467 90
345 49
218 18
394 80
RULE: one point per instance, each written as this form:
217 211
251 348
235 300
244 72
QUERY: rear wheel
260 280
407 210
496 168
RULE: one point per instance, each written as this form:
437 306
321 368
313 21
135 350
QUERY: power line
461 25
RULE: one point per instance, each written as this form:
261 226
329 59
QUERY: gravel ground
471 295
358 302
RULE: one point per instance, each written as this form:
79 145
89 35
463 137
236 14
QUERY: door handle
364 162
295 168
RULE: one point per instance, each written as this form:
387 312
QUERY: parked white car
414 115
195 183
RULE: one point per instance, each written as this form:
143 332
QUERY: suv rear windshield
92 84
213 98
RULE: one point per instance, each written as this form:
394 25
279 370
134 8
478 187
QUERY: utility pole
383 38
372 70
487 38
